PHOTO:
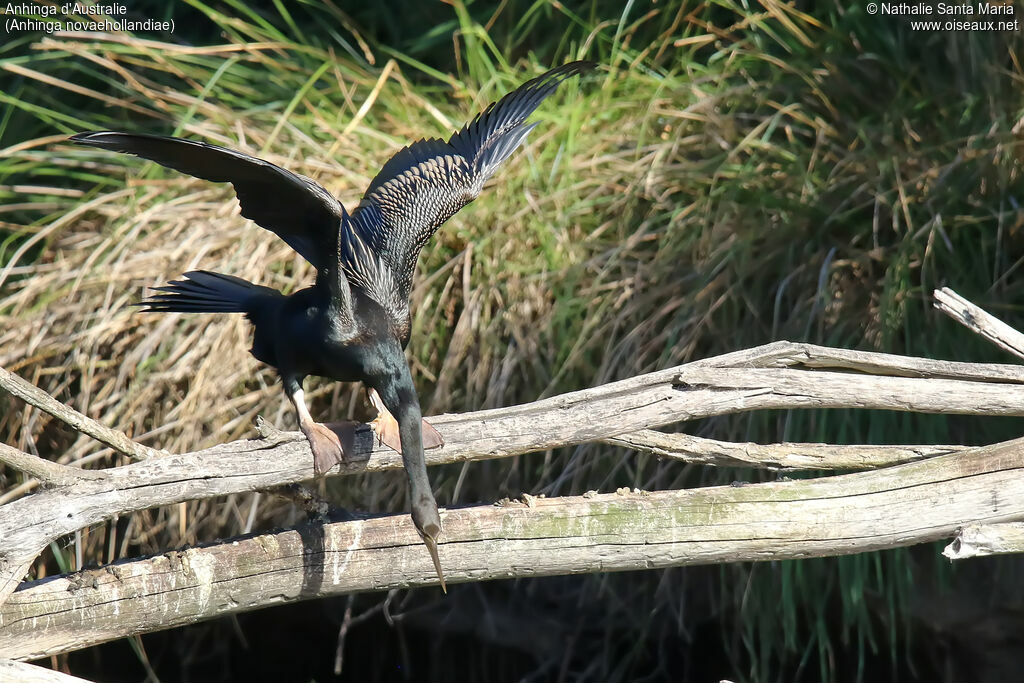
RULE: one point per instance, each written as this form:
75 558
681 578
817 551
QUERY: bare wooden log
776 456
980 321
981 540
897 506
656 399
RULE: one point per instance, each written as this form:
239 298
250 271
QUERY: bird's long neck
399 396
410 428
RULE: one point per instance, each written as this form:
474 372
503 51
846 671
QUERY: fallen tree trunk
897 506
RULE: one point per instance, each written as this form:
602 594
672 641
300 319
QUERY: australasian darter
354 322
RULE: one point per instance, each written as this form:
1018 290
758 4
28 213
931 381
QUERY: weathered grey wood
980 321
744 389
548 537
46 471
687 392
980 540
897 506
20 672
775 456
798 354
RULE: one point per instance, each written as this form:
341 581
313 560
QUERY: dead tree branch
46 471
29 673
35 396
656 399
776 456
979 321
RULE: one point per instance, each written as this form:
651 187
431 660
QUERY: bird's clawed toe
385 426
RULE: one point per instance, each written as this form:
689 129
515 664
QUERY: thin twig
978 320
35 396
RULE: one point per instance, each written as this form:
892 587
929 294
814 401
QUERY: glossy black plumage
353 323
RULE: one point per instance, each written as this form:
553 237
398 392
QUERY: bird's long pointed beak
432 549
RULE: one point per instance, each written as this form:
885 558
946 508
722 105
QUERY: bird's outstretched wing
298 210
426 183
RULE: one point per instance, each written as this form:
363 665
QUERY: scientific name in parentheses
904 9
53 23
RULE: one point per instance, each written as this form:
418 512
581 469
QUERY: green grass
734 174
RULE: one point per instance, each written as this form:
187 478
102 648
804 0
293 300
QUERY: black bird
353 323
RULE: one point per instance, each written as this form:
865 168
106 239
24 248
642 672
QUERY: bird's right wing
426 183
297 209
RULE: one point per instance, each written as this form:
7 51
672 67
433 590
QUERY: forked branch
946 488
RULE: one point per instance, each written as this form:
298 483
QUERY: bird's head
428 524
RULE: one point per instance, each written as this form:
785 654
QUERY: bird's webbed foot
326 447
385 426
329 446
431 437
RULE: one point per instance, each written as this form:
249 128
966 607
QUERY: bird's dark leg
398 395
385 426
324 443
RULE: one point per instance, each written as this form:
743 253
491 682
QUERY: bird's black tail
204 292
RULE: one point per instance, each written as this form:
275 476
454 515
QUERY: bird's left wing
426 183
298 210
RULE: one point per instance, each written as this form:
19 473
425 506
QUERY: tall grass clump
736 173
